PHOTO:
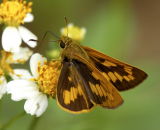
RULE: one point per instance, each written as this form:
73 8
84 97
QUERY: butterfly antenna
44 36
66 21
49 32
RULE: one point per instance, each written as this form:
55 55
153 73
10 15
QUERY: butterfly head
64 42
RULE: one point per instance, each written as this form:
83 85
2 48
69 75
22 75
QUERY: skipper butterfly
89 78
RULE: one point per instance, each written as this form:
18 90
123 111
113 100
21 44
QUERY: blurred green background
127 30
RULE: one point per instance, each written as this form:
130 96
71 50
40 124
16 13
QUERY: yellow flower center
13 12
1 72
48 77
4 65
74 32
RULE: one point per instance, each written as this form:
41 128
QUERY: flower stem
0 110
34 123
11 121
0 106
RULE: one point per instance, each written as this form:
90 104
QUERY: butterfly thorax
72 49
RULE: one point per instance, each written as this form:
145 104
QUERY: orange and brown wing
70 93
121 75
81 86
100 91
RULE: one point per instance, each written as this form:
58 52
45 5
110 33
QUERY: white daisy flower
8 58
21 56
16 74
13 14
35 88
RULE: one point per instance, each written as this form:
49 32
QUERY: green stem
0 111
0 105
12 120
34 123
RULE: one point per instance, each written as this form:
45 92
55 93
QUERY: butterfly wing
70 94
81 87
100 91
121 75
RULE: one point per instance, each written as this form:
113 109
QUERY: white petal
35 61
3 86
20 74
29 18
22 89
21 56
36 105
27 36
11 39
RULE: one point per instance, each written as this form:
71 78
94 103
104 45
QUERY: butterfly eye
62 44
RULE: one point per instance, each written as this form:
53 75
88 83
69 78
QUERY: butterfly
89 78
